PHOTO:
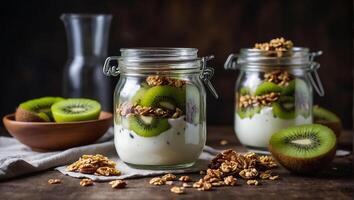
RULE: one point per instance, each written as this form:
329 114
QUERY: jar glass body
268 100
159 115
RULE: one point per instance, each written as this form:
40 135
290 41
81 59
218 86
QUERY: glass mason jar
272 92
160 102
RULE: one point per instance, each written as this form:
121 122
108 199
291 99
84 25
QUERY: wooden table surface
336 182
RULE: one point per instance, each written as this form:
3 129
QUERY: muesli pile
224 170
277 45
94 164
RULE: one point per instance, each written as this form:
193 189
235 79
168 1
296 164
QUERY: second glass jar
159 106
272 93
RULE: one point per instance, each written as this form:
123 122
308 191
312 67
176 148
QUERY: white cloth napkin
17 159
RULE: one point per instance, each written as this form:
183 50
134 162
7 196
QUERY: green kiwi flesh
327 118
147 126
165 97
304 149
266 88
139 95
36 110
76 109
244 91
248 112
284 107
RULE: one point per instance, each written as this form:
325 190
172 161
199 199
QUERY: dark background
34 51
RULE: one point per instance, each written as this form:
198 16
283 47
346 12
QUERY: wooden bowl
51 136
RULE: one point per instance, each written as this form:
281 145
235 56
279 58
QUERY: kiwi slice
147 126
284 107
36 110
244 91
266 88
327 118
248 112
165 97
78 109
138 95
304 149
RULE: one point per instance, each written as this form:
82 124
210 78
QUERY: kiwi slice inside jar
167 97
284 107
304 149
147 126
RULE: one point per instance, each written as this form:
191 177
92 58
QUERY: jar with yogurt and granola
160 102
273 90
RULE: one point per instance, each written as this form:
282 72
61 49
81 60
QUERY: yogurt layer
181 144
256 131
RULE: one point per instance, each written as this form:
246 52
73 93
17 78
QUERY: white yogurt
181 144
256 131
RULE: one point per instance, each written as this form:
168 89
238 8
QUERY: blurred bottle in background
87 38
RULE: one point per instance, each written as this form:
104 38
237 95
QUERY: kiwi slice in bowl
266 88
76 109
284 107
304 149
147 126
327 118
36 110
167 97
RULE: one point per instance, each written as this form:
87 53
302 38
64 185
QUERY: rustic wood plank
335 182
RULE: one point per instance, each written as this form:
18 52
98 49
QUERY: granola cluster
54 181
162 80
254 101
278 45
118 184
229 165
94 164
279 77
86 182
127 108
224 170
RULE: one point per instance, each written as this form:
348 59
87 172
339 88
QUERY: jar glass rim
158 54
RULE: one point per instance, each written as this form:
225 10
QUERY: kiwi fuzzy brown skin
302 166
23 115
333 122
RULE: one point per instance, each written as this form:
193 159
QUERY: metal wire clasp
206 74
110 70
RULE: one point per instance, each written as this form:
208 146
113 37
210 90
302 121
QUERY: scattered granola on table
54 181
177 190
94 164
157 181
86 182
118 184
185 178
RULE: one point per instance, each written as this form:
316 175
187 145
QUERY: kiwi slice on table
266 88
147 126
327 118
36 110
78 109
284 107
304 149
248 112
165 97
